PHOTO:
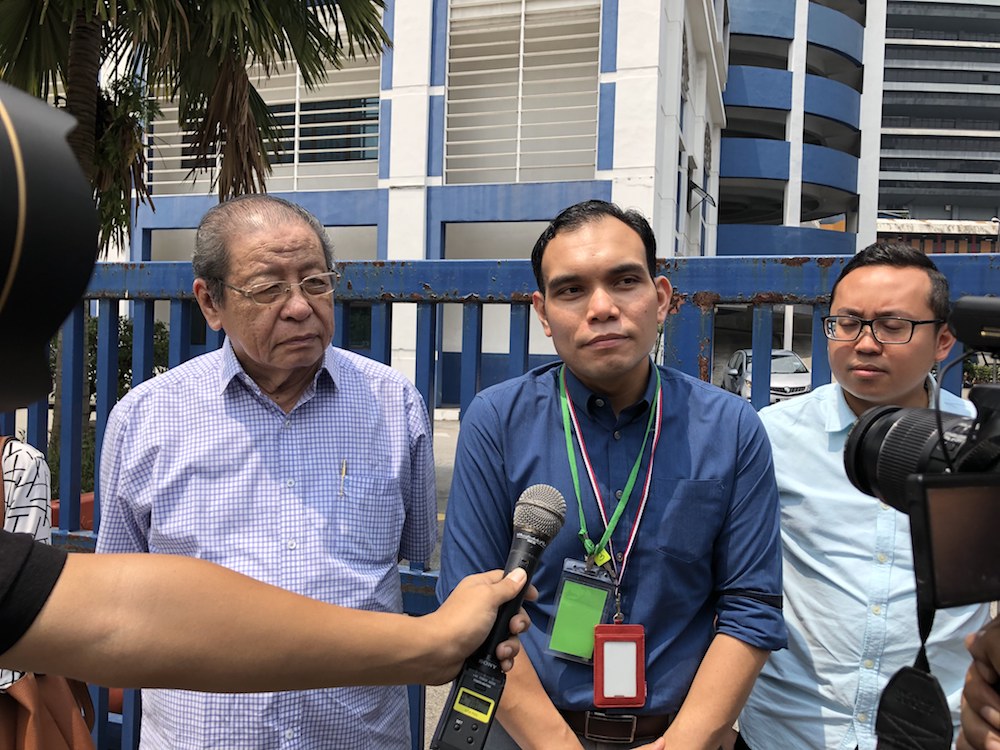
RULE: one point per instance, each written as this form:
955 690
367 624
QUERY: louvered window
329 136
522 91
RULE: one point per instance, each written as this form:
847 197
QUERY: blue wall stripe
384 137
606 126
389 24
439 42
435 136
609 36
382 233
538 201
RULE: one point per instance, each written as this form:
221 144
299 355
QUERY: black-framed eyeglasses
886 330
269 292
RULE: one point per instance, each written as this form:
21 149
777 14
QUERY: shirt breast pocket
693 513
369 518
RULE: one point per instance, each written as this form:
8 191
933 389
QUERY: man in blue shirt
669 486
850 592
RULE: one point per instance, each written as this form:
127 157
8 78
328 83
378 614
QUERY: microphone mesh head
541 509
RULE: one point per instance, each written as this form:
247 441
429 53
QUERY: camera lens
888 443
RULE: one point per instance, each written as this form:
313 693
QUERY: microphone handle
525 549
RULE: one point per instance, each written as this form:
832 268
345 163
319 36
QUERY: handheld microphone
475 693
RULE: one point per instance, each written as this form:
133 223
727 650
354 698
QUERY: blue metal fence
700 285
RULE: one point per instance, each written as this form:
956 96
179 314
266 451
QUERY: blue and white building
799 167
485 119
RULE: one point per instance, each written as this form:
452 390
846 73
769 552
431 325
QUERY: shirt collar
595 403
840 416
232 369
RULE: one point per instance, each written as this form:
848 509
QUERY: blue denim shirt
850 592
707 545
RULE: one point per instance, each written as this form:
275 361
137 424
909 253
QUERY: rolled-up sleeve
748 550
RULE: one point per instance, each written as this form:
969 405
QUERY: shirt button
881 557
876 610
292 544
618 435
287 423
618 495
862 717
869 664
290 483
289 734
884 506
619 557
599 402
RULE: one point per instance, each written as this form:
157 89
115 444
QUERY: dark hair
576 216
898 255
218 226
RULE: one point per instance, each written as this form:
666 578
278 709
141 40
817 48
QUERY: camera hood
48 240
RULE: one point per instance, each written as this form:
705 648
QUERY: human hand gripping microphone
471 705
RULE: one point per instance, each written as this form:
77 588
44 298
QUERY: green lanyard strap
593 550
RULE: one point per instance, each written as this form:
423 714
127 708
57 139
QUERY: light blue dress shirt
850 592
199 462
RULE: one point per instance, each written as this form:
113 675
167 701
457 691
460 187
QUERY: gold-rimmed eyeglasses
269 292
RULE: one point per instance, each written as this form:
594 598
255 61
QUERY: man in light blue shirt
849 587
301 465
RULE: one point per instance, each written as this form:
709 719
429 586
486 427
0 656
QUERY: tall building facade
485 118
482 122
798 173
940 156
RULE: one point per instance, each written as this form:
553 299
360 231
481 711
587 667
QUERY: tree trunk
82 88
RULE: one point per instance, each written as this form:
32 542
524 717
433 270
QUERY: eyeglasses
269 292
887 330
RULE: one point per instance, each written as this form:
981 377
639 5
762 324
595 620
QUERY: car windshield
787 364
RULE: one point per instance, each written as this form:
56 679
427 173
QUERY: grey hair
222 222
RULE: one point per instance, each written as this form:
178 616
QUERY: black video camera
944 471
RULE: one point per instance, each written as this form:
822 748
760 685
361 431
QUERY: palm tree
194 52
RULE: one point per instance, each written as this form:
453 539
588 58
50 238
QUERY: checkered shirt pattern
322 501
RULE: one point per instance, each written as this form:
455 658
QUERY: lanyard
596 552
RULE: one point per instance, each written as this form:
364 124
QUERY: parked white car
789 374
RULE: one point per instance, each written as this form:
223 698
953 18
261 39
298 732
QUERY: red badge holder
619 666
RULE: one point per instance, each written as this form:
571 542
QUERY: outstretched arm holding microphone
170 621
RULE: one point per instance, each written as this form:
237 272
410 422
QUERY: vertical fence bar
142 341
341 310
820 362
425 354
688 339
70 439
520 330
180 331
382 333
472 344
131 719
107 387
761 335
38 424
102 730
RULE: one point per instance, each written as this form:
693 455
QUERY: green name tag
582 602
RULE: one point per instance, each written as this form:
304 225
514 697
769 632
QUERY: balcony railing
701 285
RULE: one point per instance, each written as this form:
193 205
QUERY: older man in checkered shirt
278 456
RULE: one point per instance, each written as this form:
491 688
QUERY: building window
522 91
